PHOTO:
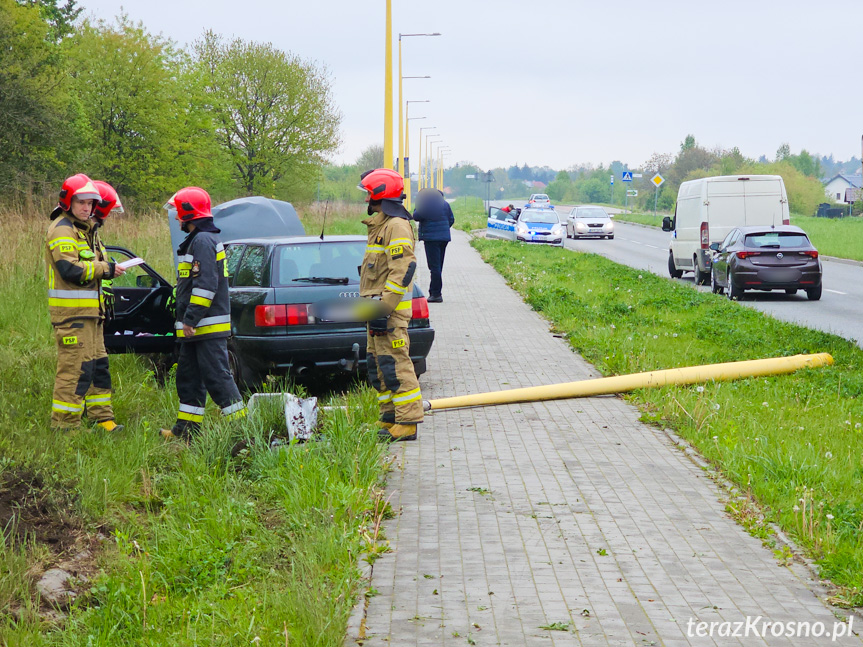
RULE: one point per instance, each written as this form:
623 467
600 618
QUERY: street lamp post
441 152
407 167
434 166
421 184
388 88
401 123
429 141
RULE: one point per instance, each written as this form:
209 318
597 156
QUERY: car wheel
790 290
734 293
672 269
714 286
246 376
701 278
814 293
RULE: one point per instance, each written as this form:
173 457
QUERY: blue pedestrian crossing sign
627 176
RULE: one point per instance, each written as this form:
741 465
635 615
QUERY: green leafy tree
558 189
273 111
34 111
371 158
783 152
688 143
60 17
126 80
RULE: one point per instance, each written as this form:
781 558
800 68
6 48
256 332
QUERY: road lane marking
652 246
836 292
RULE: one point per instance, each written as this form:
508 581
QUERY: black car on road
766 258
273 282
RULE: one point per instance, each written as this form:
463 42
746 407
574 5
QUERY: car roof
297 240
594 206
788 229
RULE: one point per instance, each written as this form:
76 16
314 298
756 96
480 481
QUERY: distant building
836 187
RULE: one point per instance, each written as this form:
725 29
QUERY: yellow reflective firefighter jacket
76 266
389 264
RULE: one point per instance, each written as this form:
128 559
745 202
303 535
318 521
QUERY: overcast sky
564 82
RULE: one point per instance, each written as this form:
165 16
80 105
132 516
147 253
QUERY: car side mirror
714 247
145 281
667 224
611 215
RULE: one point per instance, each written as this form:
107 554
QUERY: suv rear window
776 240
325 259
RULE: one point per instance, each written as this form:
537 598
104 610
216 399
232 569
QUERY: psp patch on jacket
397 251
196 269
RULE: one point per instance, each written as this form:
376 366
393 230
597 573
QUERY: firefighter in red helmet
77 264
387 274
203 318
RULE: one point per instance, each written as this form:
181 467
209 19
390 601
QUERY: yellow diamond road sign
657 179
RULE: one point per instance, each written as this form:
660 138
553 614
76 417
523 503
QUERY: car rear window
540 196
776 239
325 259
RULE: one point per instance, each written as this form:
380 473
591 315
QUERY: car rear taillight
298 314
268 316
705 236
747 254
293 314
419 308
813 253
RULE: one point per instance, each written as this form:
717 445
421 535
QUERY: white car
589 221
539 201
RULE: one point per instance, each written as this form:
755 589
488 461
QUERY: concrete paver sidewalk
558 523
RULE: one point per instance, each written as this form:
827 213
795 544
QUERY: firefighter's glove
378 327
108 296
171 304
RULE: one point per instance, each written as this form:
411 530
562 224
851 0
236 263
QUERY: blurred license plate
781 276
595 230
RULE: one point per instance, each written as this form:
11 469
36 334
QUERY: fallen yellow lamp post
621 383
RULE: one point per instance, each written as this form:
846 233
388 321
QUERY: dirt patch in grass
29 513
31 516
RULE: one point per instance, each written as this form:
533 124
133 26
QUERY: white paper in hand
132 262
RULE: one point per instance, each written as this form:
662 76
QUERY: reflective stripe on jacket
389 264
76 263
203 301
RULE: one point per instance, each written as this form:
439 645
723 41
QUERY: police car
531 226
274 280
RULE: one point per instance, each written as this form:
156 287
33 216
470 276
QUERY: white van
709 208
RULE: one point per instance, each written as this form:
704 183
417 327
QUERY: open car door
143 320
500 224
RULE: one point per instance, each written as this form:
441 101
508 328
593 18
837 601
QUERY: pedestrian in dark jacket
435 218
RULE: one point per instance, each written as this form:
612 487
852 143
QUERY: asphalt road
839 311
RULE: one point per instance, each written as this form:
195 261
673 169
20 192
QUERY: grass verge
202 546
793 443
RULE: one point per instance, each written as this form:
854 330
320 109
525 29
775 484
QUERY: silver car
589 221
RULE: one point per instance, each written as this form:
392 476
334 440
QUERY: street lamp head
406 35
